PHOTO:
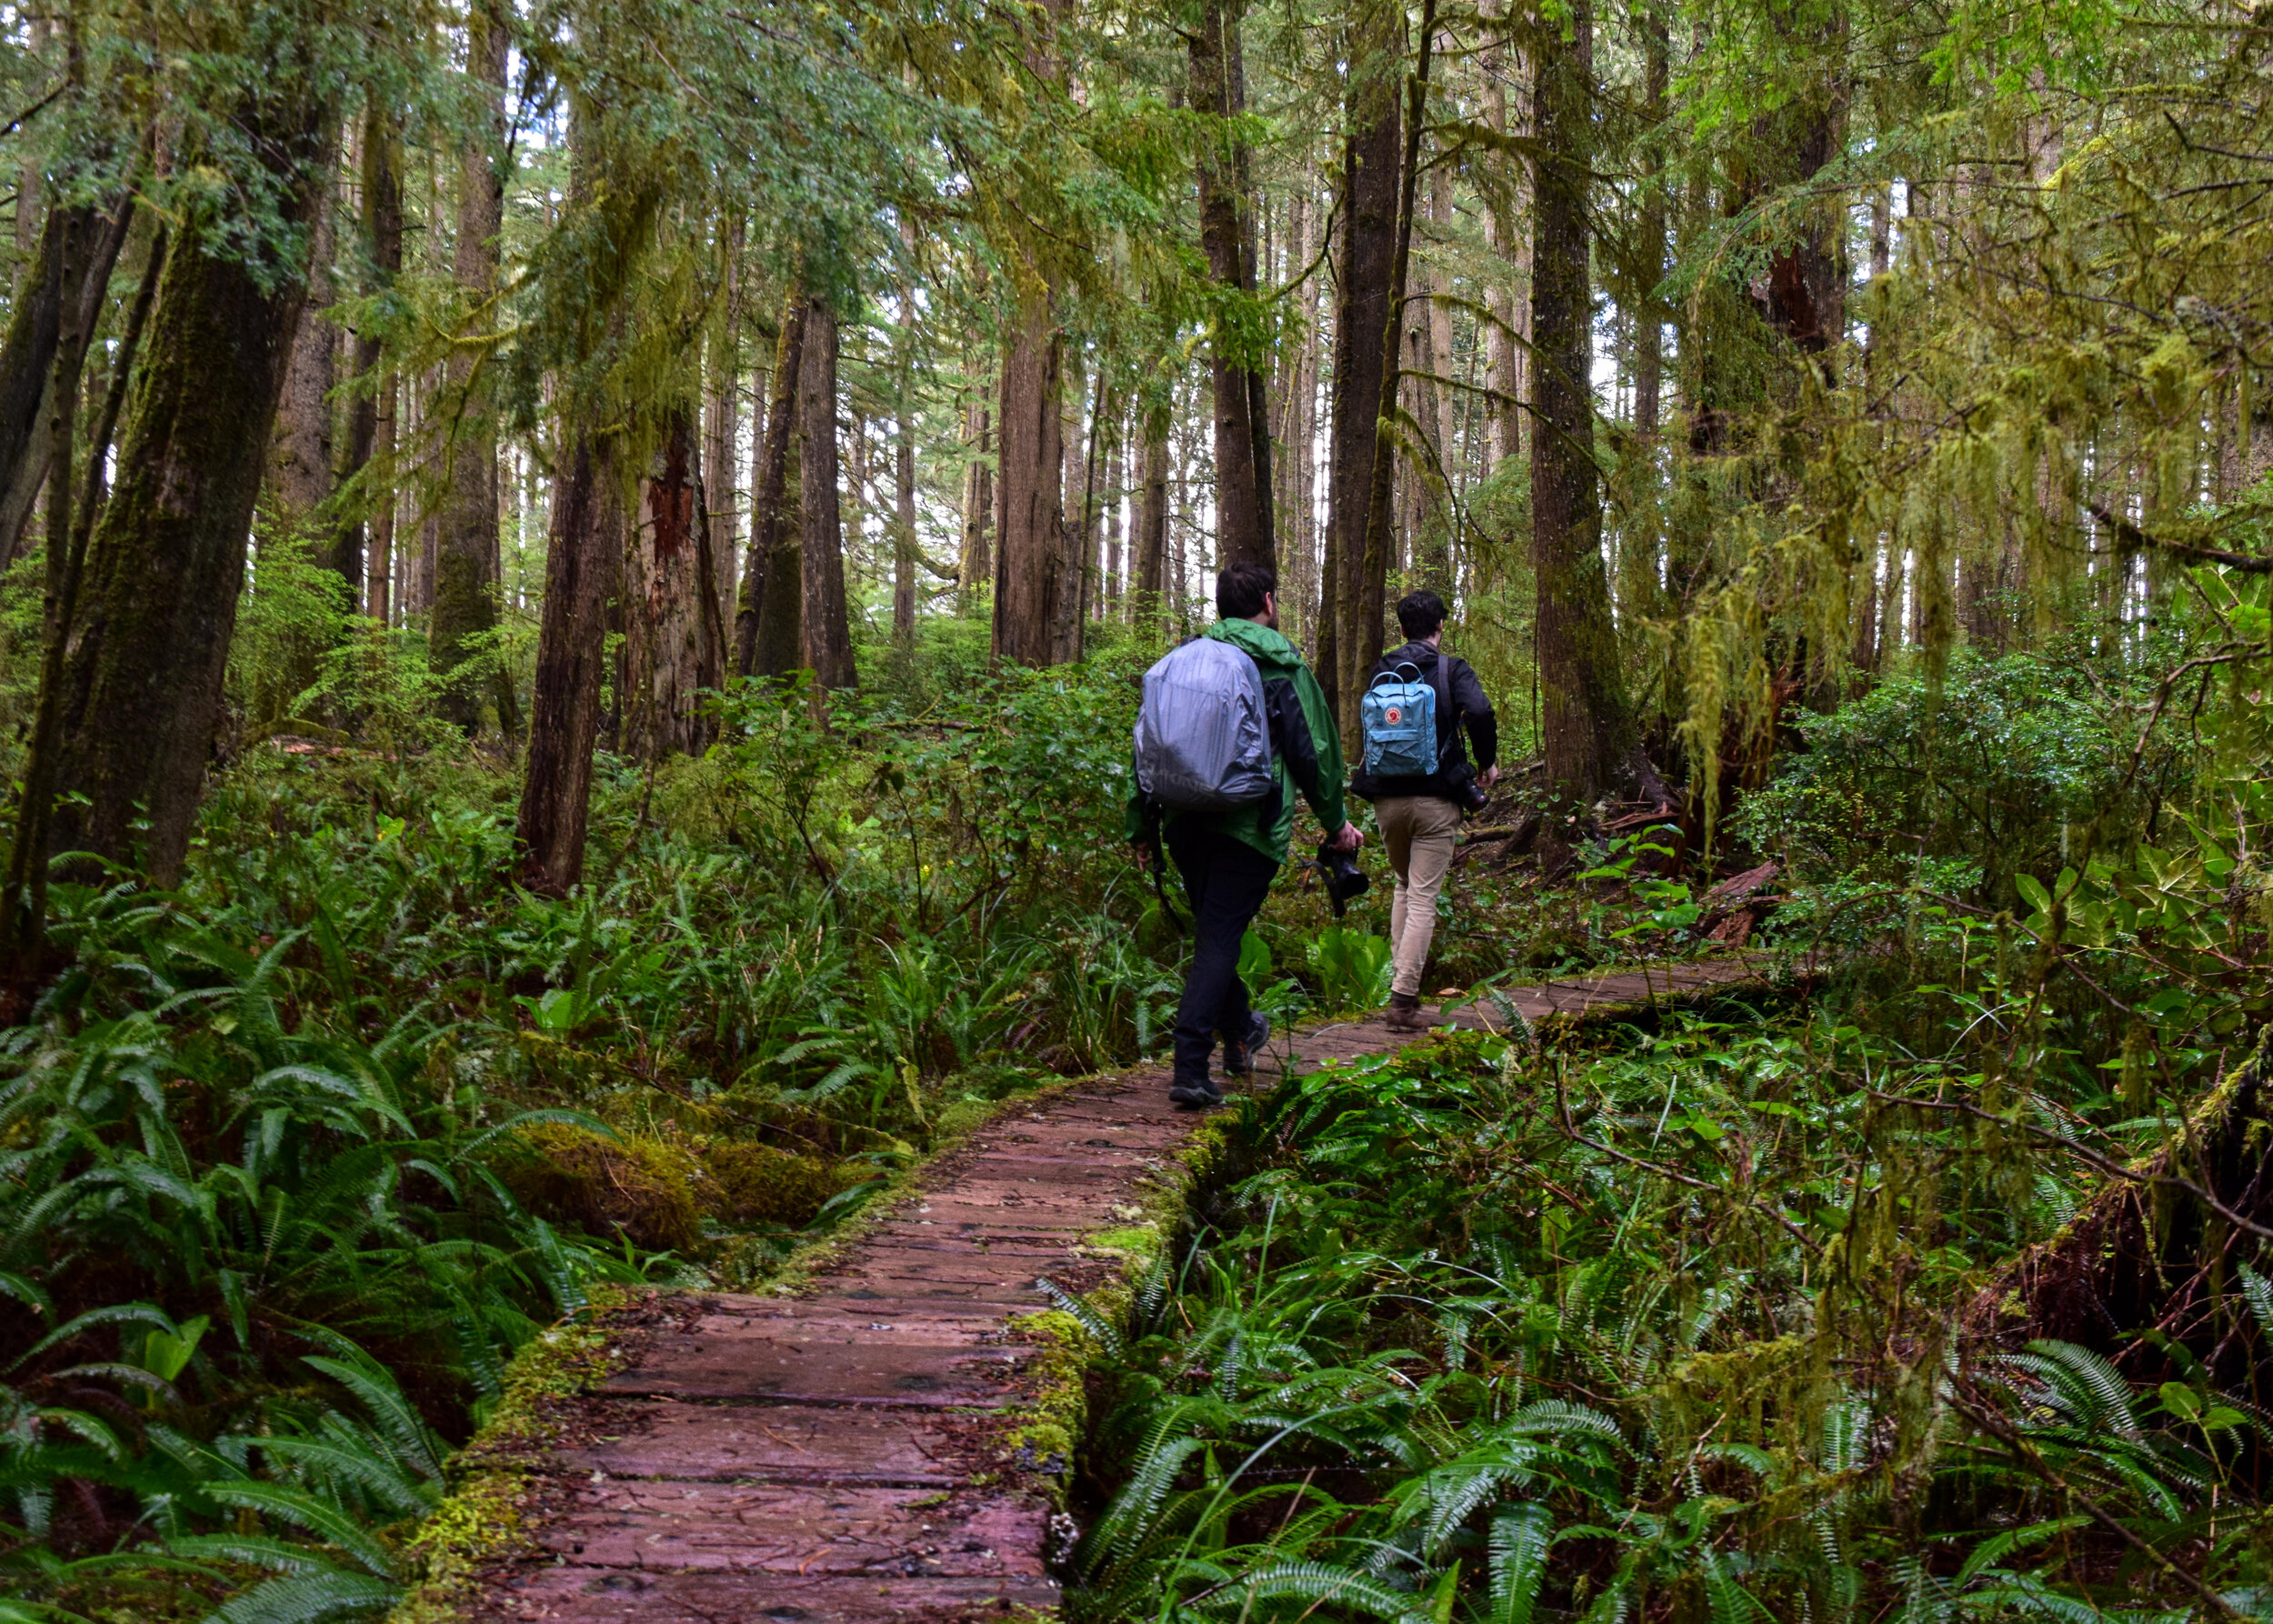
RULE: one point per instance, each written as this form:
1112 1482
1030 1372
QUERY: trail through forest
855 1452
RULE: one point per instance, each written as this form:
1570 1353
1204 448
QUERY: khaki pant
1417 830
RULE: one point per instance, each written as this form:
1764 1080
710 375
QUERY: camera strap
1159 861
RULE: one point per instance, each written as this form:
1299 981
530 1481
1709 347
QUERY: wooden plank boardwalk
839 1455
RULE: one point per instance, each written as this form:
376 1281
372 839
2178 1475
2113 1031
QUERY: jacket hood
1253 639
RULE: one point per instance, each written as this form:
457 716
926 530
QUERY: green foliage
1491 1335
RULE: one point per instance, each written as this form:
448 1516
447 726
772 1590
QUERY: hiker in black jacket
1420 815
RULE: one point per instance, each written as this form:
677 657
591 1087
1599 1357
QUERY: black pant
1227 880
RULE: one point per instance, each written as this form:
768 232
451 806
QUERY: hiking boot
1194 1096
1405 1013
1239 1059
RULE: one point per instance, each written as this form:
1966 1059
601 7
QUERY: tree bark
88 240
722 426
464 617
664 631
1150 542
1587 728
1649 326
1032 586
1115 487
821 542
1350 637
904 558
1243 527
371 418
167 561
582 560
766 636
1432 560
301 468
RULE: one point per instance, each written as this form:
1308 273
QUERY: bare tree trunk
167 561
828 630
1349 638
1244 526
582 560
1587 726
464 610
1032 584
767 635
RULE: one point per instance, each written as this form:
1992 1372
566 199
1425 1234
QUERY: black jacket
1470 706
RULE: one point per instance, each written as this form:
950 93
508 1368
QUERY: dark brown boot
1405 1013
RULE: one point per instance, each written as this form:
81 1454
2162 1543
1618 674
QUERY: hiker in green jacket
1228 858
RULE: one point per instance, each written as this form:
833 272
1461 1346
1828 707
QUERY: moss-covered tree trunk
765 630
367 549
464 617
1350 637
1244 528
827 624
582 560
66 284
167 561
664 623
1586 725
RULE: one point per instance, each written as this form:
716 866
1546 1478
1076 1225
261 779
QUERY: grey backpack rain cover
1203 742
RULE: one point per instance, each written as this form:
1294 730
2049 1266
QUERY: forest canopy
572 580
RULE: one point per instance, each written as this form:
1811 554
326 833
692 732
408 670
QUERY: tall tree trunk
167 561
371 418
978 506
1032 585
1150 542
24 899
583 559
86 240
1115 491
1242 419
301 466
1433 561
766 636
722 427
1349 638
664 621
1649 326
827 628
464 606
903 556
1588 728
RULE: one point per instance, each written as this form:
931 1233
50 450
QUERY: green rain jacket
1306 748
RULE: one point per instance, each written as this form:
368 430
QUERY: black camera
1460 780
1344 879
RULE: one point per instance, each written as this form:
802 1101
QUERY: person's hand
1143 856
1491 776
1351 839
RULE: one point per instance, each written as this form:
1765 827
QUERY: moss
759 1184
1057 1414
646 1188
486 1516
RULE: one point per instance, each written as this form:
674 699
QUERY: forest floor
874 1444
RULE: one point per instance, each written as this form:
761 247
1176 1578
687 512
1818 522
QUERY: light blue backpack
1399 717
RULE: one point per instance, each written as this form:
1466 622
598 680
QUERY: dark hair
1241 590
1420 613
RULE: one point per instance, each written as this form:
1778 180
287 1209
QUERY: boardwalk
839 1455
